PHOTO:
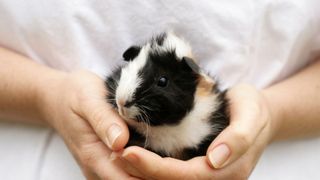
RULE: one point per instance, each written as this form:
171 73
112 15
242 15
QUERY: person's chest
235 41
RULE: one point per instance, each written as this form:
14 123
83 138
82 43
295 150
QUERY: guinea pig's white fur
130 80
167 138
193 128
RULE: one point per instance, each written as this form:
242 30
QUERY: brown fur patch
204 87
178 154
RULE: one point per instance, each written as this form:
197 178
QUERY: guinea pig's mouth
133 114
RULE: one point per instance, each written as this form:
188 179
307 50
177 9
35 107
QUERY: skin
74 105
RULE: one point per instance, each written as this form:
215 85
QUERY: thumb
107 124
231 144
105 121
245 125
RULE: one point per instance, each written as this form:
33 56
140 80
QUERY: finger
245 125
116 157
149 165
108 125
105 121
131 170
95 163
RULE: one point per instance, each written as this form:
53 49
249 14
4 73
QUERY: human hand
75 106
232 155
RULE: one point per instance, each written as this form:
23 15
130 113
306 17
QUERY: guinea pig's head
158 84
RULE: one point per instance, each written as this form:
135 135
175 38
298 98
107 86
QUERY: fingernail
219 155
130 157
113 133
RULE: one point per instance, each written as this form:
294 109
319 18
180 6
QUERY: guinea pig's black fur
170 106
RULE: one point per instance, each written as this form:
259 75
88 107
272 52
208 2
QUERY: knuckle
240 174
185 175
194 176
82 98
98 122
86 157
244 138
104 176
185 171
204 176
154 172
243 174
87 160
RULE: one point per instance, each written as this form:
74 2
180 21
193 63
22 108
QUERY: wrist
276 112
48 93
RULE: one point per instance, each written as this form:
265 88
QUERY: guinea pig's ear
190 64
131 53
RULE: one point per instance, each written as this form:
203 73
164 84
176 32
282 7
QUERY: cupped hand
75 105
232 155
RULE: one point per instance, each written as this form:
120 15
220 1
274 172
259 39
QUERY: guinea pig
170 105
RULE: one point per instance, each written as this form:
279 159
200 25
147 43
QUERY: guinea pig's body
170 106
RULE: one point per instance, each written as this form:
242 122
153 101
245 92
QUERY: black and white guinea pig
171 107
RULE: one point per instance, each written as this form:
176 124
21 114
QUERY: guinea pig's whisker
113 91
151 108
113 86
112 100
147 129
110 93
219 115
148 108
146 120
111 97
145 91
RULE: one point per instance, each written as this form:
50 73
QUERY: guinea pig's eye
162 81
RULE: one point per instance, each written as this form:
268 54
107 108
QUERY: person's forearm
21 85
296 103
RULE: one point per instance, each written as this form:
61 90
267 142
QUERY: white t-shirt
255 41
252 41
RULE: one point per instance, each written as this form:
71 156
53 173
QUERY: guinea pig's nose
121 103
128 104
